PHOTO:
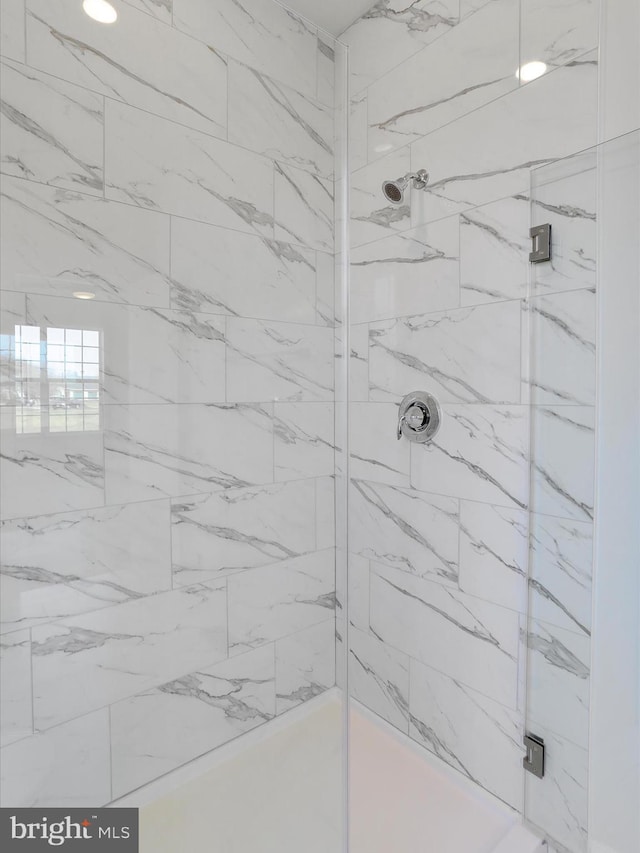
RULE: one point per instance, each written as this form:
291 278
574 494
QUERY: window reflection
56 378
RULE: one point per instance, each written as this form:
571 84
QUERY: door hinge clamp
534 759
540 244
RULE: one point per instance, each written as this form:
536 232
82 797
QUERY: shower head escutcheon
394 190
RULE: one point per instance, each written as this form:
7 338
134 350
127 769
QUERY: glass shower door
570 337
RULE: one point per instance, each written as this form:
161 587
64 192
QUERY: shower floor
281 795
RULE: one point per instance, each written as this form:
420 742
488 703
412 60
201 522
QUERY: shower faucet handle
419 417
401 420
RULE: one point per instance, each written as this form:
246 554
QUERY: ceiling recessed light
531 70
84 294
100 11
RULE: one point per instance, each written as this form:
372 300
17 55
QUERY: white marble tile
148 355
563 348
174 450
66 564
563 459
266 36
470 640
359 362
487 154
157 731
358 132
226 272
303 205
376 453
185 172
393 30
160 9
558 804
234 529
477 736
340 624
305 665
303 435
468 7
379 678
15 680
493 553
410 273
411 531
467 354
278 361
274 601
139 61
560 572
372 216
494 251
327 283
557 32
279 122
558 682
44 472
325 513
66 767
56 241
12 29
480 453
475 62
357 603
12 312
564 195
52 131
343 587
85 662
326 70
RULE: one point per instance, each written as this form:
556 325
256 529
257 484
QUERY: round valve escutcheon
419 417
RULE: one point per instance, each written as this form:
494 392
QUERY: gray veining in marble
467 354
61 565
235 529
52 131
413 531
186 449
132 67
85 662
379 678
57 241
393 30
186 172
279 122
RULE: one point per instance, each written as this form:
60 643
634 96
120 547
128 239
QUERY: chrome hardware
534 759
394 190
540 244
419 417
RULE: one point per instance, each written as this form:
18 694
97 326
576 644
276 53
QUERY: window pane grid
56 378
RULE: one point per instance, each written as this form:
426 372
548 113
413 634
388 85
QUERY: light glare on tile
531 71
84 294
380 148
100 11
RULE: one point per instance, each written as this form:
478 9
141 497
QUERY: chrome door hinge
534 759
540 244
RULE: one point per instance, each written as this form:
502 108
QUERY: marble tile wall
470 566
168 536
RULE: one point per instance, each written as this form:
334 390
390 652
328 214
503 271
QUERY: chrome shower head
394 190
